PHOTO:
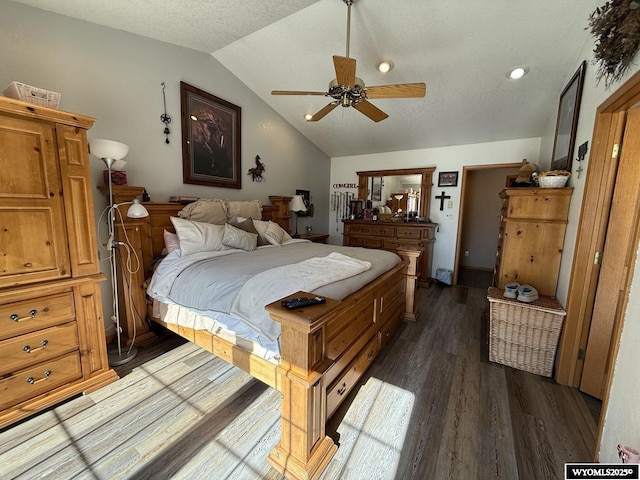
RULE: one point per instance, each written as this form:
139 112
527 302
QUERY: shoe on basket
511 290
527 294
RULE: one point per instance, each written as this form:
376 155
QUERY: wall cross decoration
442 197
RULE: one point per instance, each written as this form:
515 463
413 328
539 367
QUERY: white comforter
241 283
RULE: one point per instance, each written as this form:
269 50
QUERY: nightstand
315 237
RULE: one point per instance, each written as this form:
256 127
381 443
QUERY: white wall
116 77
445 159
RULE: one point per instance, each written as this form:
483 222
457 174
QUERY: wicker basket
524 335
27 93
553 181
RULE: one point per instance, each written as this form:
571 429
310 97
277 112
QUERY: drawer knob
370 355
28 349
33 381
16 318
342 389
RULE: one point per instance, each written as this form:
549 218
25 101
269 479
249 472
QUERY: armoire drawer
20 352
31 315
346 381
44 377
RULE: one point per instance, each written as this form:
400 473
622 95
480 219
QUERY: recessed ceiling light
517 72
385 66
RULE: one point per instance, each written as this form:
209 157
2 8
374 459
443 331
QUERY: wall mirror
408 189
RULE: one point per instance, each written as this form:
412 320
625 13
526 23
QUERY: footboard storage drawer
44 377
341 387
348 327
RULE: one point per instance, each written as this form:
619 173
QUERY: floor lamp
111 152
297 205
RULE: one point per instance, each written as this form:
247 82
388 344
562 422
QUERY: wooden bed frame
325 349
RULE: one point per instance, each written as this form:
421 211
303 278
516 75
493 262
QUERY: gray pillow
248 226
236 238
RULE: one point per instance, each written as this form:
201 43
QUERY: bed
313 356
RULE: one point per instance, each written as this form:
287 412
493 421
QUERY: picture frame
567 121
448 179
376 189
306 198
210 139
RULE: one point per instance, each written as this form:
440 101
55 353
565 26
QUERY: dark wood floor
431 406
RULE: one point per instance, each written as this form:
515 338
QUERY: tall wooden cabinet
531 237
52 341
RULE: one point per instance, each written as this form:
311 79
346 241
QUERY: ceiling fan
350 91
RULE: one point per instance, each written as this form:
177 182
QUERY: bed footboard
325 350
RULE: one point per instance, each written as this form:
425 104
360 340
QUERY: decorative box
27 93
118 177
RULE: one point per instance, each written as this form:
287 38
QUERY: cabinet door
78 200
531 255
33 238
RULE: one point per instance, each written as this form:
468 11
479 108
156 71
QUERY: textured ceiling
461 50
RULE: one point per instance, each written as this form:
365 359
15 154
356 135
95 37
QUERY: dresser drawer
360 229
44 377
31 315
341 387
383 230
19 352
368 242
408 232
392 244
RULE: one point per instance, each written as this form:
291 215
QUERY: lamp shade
137 210
297 204
108 149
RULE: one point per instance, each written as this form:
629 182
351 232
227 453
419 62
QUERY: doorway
479 222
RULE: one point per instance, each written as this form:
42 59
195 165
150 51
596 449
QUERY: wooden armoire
52 339
531 237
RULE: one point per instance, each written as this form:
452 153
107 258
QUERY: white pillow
198 236
274 234
238 238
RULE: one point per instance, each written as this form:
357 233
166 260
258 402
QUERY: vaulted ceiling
461 50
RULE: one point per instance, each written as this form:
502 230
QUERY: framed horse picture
210 139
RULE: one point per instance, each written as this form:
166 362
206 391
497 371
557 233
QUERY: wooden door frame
463 194
594 216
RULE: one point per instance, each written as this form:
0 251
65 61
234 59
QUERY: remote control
301 302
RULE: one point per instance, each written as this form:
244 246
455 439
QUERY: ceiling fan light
308 116
518 72
385 66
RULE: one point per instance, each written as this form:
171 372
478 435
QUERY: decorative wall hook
256 172
165 118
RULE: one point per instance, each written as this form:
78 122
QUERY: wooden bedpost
304 449
281 217
413 256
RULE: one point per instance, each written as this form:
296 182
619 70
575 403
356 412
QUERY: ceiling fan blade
400 90
294 92
345 70
326 109
370 110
